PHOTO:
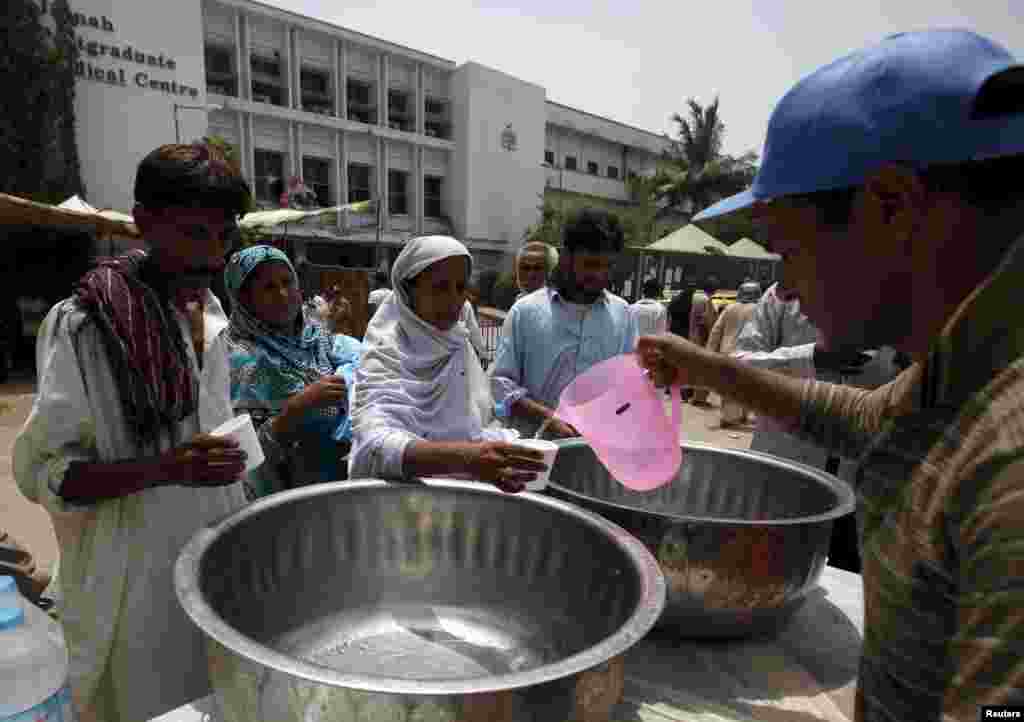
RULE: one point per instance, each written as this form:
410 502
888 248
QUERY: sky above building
637 61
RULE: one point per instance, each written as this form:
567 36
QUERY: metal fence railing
491 320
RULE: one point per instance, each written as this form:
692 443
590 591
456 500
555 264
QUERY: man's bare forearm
90 482
437 458
766 392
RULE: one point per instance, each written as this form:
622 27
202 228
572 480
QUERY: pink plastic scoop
619 412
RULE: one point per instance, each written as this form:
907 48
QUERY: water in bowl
428 643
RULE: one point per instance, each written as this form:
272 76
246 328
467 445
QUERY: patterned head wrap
299 357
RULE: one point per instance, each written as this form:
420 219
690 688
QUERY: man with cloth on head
723 340
892 183
556 333
133 375
702 320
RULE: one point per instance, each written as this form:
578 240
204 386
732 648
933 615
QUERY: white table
808 672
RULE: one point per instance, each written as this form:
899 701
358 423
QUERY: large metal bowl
445 600
742 537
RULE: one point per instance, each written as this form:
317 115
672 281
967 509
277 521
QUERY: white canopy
75 203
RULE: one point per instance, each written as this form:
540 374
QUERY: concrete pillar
340 80
243 145
382 90
292 167
417 174
251 149
421 112
244 56
289 69
340 173
299 171
382 157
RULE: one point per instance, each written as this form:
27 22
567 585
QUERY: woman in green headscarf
289 373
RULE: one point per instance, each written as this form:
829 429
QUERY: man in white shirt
723 340
651 314
780 337
132 376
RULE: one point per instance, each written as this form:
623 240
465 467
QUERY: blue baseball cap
911 99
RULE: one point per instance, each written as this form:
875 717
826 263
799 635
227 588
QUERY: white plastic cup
550 451
241 430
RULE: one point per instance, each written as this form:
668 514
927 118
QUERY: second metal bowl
742 537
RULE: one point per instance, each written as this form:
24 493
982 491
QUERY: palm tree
700 135
696 173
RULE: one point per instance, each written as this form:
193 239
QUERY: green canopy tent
684 252
756 259
689 239
746 248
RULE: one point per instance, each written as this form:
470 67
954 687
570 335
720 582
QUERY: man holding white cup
132 377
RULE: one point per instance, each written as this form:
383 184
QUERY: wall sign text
124 53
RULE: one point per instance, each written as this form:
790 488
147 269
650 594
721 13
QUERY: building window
400 116
359 182
269 176
570 162
613 172
360 101
266 79
398 198
220 70
549 157
432 196
316 90
591 167
316 174
435 120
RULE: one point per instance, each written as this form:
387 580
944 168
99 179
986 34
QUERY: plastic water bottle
9 595
33 663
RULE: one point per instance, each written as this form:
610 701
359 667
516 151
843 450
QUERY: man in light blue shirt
556 333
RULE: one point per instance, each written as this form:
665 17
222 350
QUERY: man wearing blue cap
893 184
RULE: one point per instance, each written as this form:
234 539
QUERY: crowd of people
912 243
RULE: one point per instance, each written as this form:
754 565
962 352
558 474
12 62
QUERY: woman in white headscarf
421 404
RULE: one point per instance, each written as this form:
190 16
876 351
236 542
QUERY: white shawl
414 378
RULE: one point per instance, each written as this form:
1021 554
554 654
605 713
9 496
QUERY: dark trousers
843 551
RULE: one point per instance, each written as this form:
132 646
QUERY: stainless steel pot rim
846 505
643 619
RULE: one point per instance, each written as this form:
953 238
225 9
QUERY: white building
354 116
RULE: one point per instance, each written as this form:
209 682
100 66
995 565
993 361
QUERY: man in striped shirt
908 185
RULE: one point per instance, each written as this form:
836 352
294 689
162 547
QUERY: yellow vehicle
721 299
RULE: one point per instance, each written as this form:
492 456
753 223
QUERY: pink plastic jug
619 412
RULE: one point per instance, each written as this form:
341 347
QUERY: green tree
696 173
548 227
37 128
